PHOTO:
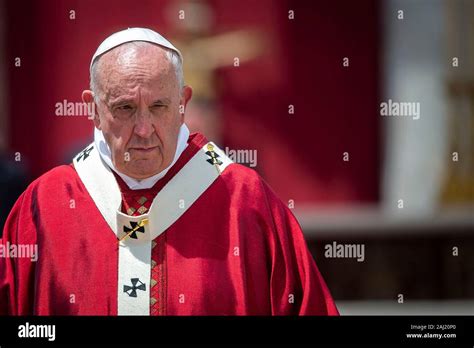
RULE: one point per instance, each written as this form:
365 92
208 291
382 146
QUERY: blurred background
299 84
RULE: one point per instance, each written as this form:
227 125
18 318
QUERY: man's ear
186 94
88 98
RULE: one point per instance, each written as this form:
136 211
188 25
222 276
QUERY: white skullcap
129 35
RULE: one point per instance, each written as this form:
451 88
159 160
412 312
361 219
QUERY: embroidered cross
84 154
136 285
135 227
214 157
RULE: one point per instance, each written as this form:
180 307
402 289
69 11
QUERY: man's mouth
144 149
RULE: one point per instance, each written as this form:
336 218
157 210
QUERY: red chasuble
237 250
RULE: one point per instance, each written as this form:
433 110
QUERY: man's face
138 108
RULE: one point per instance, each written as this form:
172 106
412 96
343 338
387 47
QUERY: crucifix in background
204 53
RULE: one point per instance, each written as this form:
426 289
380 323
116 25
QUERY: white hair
173 58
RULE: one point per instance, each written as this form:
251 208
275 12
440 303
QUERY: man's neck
138 184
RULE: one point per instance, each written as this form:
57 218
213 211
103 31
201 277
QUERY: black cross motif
136 229
84 154
136 285
214 158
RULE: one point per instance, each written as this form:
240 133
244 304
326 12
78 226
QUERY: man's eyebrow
126 100
162 101
120 100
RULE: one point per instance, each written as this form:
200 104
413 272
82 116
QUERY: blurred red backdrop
300 155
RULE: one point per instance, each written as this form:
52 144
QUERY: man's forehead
132 35
140 62
131 88
133 50
129 56
124 68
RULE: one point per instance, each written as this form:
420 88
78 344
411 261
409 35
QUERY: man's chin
144 168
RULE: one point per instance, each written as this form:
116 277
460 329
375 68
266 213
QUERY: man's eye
158 105
124 107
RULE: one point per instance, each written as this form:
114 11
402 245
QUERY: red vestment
238 250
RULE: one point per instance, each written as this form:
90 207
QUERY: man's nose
143 124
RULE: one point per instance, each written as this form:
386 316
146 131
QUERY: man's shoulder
242 174
241 178
49 185
56 176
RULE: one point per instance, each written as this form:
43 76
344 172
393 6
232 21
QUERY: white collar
147 183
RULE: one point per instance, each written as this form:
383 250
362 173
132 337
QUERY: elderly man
149 220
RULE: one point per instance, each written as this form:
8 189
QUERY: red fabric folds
238 250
